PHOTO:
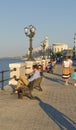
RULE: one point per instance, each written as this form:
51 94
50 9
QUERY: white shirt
66 63
71 62
34 76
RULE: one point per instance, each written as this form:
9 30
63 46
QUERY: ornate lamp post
30 32
43 46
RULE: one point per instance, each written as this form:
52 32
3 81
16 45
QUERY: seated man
40 68
23 81
36 73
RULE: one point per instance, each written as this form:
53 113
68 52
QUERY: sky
55 19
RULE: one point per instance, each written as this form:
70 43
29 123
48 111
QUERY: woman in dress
66 68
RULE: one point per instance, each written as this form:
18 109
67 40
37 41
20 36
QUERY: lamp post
30 32
43 46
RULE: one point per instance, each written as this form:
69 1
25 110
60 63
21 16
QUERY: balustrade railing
3 79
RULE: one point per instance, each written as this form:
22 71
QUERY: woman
74 77
66 67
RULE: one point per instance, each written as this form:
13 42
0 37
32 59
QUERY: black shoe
20 96
29 96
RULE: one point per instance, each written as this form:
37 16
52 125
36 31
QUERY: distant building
58 47
46 42
49 50
68 52
35 50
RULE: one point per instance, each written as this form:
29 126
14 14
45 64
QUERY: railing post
18 70
2 80
2 77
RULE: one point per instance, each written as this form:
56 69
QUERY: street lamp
30 32
43 46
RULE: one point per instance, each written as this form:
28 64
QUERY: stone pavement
53 109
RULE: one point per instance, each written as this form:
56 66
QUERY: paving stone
53 109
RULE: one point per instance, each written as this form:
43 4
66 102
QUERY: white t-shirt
34 76
66 63
71 62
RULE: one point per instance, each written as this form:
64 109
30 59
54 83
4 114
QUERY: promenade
53 109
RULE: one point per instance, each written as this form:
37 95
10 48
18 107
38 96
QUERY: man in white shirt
24 81
36 73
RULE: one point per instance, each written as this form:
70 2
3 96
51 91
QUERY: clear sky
53 18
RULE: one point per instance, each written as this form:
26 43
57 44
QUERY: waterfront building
58 47
49 50
39 50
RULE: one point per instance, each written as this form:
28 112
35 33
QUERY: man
28 81
36 73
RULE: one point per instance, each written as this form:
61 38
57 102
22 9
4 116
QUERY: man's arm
35 76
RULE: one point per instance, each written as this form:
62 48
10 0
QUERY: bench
24 90
37 83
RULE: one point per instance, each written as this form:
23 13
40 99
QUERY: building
46 42
39 50
49 50
68 52
58 47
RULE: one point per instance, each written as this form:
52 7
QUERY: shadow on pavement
57 74
59 118
54 79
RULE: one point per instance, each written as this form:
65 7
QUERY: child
74 77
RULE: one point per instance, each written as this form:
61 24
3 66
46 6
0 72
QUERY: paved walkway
53 109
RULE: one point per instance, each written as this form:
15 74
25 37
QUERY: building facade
58 47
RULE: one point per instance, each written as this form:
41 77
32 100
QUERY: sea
4 65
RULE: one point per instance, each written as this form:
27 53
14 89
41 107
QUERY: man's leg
30 89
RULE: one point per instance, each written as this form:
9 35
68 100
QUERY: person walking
74 77
71 64
66 67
